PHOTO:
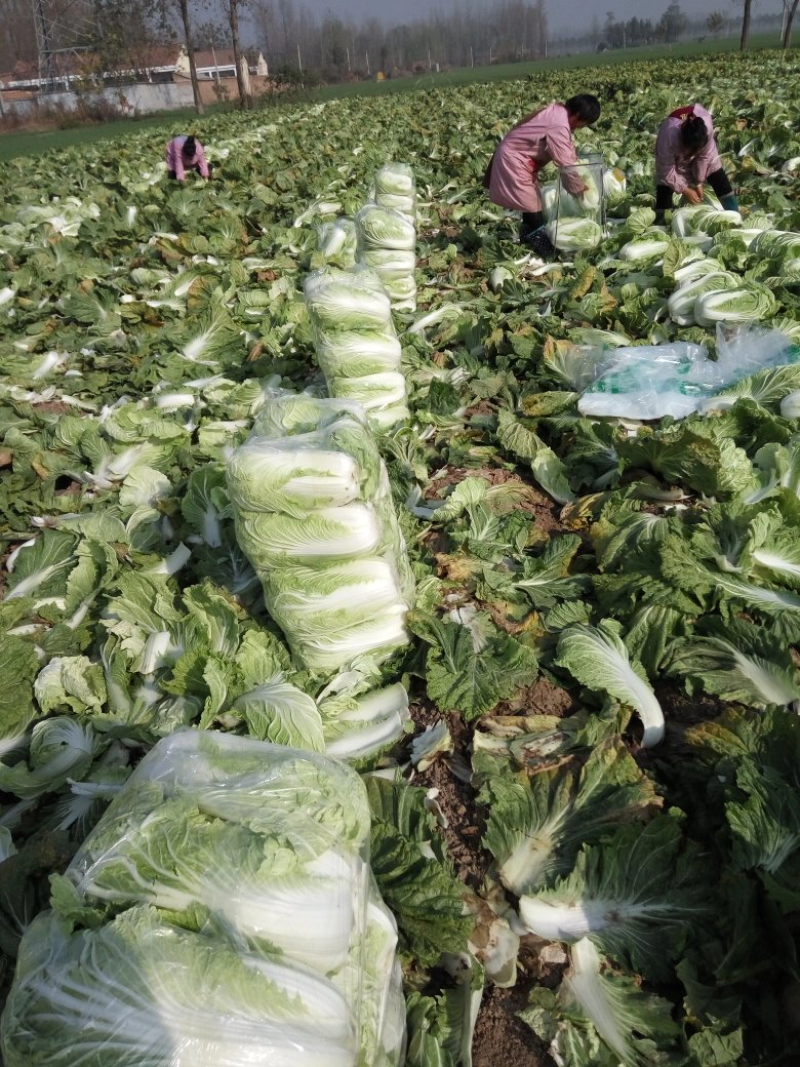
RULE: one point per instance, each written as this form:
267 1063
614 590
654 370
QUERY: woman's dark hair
694 134
584 107
189 147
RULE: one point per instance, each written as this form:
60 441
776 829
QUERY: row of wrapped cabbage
387 235
221 913
371 271
314 514
382 235
707 291
356 343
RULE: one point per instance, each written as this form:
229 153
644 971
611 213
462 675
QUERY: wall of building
139 99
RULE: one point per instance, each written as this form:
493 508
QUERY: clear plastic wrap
221 914
578 220
314 515
650 382
386 242
355 340
337 242
394 187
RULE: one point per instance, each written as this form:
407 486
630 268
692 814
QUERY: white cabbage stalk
790 406
594 997
175 401
682 302
284 476
49 363
384 419
549 193
7 294
734 305
575 234
615 185
354 354
379 227
650 245
307 597
695 218
376 721
337 302
697 268
434 741
373 390
330 651
390 260
327 532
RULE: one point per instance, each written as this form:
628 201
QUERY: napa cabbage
750 303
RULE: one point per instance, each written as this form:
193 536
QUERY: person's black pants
531 221
534 236
718 181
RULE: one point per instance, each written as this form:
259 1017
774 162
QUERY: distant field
28 144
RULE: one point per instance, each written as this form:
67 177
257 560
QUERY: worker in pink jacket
686 157
186 153
512 177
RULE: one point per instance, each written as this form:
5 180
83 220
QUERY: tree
245 99
787 29
745 24
164 12
715 22
672 24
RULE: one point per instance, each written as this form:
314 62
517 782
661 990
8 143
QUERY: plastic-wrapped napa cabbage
337 242
549 194
221 913
383 236
394 187
352 346
589 203
314 515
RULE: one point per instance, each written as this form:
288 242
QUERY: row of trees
298 45
509 30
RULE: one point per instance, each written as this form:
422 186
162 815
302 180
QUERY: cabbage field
588 831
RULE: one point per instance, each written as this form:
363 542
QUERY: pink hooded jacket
175 159
673 167
539 139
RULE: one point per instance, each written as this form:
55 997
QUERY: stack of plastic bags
356 343
314 515
387 241
221 914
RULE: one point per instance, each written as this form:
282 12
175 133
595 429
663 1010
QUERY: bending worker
686 157
185 153
546 136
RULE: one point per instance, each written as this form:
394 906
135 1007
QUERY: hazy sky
576 16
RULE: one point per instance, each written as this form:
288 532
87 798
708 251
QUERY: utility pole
366 56
299 60
471 57
44 47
